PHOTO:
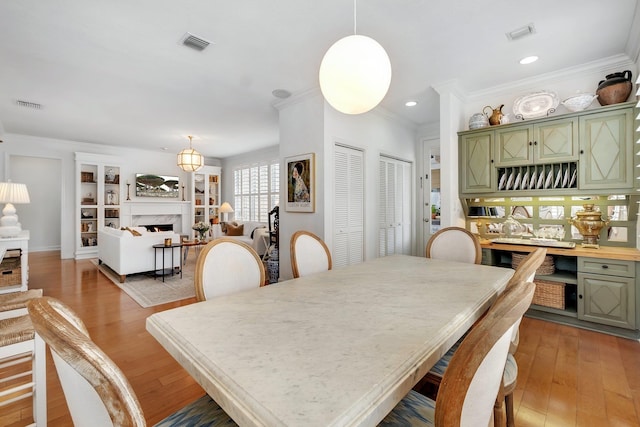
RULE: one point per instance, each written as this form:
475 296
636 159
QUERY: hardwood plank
567 376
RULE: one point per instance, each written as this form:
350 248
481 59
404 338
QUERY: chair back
226 266
96 390
526 270
454 244
472 380
309 254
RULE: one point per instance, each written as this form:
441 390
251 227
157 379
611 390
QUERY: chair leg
40 379
498 412
508 399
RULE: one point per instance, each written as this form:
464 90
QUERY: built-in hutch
543 171
98 194
205 194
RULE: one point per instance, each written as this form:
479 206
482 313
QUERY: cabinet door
514 146
606 150
476 164
608 300
556 141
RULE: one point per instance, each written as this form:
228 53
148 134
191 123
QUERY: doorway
394 232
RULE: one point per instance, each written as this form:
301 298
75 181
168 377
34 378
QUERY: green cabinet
476 163
593 149
606 150
547 142
606 292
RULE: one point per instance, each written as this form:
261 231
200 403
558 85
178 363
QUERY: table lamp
10 193
225 209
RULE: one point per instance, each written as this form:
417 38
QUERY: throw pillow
235 230
134 232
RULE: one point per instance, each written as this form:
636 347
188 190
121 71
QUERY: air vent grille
195 42
28 104
521 32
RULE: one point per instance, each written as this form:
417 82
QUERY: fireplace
158 227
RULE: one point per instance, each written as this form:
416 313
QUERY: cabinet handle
605 266
581 151
530 143
580 296
491 160
535 142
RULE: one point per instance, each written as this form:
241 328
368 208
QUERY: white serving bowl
579 102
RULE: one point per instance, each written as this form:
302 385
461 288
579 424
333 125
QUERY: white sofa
257 242
126 254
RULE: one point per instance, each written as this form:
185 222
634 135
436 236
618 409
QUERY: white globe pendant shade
190 160
355 74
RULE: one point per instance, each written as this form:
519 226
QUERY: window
256 190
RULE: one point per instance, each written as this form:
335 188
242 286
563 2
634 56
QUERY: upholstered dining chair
22 356
454 244
96 390
226 266
524 273
309 254
472 380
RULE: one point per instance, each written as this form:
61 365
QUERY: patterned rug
149 291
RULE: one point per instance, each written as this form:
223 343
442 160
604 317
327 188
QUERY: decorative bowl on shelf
579 102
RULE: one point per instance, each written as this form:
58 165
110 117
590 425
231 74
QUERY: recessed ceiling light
528 60
281 93
411 103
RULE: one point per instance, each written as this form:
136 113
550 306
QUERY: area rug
149 291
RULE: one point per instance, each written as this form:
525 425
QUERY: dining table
337 348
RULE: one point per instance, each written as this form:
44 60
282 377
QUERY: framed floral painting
300 183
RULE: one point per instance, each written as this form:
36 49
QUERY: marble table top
339 348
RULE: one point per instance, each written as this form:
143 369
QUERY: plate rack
556 176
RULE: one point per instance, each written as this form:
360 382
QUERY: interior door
394 234
431 191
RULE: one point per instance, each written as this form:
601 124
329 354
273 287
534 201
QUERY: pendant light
189 159
355 73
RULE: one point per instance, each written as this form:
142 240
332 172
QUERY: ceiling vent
194 42
28 104
521 32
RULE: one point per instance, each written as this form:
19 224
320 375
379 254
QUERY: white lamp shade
12 192
190 160
355 74
226 208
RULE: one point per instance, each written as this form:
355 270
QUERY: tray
525 242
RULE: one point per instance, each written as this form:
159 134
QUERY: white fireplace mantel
178 213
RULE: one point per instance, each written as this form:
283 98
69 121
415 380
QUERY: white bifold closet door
348 223
394 236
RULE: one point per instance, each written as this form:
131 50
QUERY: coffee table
186 244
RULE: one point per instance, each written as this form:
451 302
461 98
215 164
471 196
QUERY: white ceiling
114 72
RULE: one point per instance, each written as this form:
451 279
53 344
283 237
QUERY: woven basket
547 267
549 294
10 272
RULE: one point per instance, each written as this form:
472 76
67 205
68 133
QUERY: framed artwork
165 186
300 183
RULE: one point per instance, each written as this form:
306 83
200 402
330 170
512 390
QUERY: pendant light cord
355 14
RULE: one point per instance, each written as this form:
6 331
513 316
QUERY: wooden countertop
607 252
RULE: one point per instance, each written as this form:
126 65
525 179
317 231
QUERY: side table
164 248
20 242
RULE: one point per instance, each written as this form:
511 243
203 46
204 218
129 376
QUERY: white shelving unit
98 196
205 194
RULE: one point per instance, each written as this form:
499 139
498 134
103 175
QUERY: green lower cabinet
608 299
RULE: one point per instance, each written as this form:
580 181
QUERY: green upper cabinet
476 164
547 142
606 150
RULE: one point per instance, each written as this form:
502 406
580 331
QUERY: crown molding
603 66
632 47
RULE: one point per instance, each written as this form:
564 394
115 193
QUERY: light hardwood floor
568 376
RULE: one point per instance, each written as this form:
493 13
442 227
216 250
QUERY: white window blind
256 190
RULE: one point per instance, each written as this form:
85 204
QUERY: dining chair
309 254
96 390
454 244
225 266
22 356
472 380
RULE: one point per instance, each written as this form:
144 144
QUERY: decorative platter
537 104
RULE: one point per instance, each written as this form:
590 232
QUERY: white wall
308 124
132 161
